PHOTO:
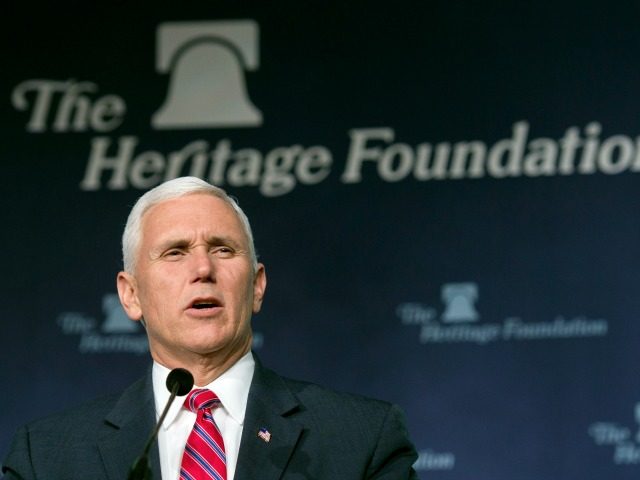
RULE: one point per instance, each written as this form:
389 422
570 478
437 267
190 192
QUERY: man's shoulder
320 400
310 392
70 444
83 416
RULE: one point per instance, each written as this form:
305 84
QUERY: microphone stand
140 469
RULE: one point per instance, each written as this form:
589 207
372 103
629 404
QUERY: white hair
175 188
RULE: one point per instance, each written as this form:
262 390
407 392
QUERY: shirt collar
232 388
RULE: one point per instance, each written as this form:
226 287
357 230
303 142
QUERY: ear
259 286
128 293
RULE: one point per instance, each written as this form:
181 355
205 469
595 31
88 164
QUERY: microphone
179 382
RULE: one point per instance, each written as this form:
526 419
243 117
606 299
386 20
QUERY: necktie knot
201 398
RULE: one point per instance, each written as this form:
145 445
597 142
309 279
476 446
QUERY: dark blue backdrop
445 195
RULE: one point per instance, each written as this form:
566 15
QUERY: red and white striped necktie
204 457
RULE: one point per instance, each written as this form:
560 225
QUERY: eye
173 254
223 251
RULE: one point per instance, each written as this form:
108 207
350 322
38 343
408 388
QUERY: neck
205 368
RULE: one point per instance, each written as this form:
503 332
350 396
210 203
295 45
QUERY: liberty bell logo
207 62
459 299
116 320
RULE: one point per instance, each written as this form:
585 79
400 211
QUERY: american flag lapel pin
264 434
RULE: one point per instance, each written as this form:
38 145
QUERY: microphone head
180 378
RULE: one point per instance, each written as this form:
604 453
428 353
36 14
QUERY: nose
203 266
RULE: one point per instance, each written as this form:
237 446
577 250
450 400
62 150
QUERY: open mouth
204 304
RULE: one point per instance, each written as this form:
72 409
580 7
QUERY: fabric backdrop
445 195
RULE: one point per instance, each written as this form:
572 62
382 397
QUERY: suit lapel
269 407
127 428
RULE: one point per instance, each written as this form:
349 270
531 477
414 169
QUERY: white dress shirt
232 388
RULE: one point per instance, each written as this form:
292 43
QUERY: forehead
190 214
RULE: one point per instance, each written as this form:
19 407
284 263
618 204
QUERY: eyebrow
179 242
172 243
222 240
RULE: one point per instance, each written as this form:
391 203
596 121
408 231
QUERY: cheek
156 297
241 302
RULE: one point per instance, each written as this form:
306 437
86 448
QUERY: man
192 278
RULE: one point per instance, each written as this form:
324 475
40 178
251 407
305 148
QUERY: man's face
193 283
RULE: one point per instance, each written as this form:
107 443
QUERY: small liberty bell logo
207 63
459 299
116 320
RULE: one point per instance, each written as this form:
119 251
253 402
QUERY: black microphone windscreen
182 378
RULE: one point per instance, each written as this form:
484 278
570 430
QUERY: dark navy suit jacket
316 434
